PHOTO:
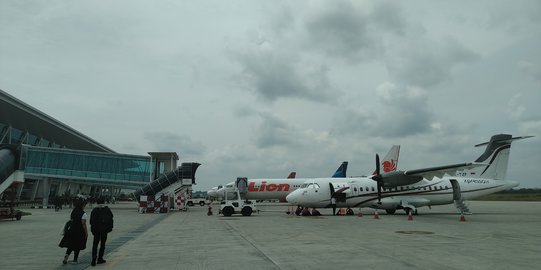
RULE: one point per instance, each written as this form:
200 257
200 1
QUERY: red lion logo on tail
389 166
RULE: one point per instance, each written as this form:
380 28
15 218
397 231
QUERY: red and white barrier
152 205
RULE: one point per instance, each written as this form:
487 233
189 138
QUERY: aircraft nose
293 197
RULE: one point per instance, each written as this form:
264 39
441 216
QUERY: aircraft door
340 197
456 190
242 184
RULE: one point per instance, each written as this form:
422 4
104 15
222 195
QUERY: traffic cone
462 218
360 214
209 213
376 215
410 217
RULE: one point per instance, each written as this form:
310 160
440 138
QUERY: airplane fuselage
362 192
267 189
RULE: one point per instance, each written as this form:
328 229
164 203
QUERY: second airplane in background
278 189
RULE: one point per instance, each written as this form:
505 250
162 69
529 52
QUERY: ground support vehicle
10 212
7 207
236 202
200 201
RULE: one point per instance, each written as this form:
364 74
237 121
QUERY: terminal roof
19 115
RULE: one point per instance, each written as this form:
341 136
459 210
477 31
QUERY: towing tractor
7 208
236 202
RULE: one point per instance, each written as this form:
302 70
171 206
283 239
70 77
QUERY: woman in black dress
75 238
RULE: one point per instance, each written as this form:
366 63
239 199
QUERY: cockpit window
309 185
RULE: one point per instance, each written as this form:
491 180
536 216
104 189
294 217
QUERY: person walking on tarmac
101 223
75 236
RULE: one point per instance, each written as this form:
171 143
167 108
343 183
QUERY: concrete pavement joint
231 228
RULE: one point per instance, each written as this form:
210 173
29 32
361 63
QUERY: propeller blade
379 192
332 189
378 178
377 165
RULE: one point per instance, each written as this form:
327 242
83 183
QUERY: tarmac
499 235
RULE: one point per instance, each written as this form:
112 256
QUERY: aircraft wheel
390 211
408 210
227 211
246 211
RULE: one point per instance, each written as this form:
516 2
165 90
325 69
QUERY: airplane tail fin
341 171
496 155
390 161
292 175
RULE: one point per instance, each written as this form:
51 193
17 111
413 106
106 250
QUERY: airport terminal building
43 158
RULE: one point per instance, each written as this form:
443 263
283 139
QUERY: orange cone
410 217
376 215
360 214
462 218
209 213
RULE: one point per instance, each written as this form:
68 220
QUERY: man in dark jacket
101 223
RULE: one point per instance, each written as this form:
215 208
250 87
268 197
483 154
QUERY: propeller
332 189
378 178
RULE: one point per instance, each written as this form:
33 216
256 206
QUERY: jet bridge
184 173
8 165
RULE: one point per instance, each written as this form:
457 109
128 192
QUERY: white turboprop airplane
212 195
278 189
411 189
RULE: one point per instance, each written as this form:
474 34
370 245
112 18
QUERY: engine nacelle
397 178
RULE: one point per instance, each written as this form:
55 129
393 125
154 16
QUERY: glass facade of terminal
88 167
42 158
11 135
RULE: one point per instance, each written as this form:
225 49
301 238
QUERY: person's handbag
66 227
65 231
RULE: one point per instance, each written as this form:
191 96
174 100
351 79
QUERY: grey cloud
343 31
389 16
272 76
275 132
530 69
167 141
522 114
401 111
425 64
244 111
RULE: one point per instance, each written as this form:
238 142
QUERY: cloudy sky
262 88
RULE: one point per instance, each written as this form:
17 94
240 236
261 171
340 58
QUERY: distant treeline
522 194
521 191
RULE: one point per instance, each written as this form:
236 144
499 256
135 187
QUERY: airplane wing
440 171
400 178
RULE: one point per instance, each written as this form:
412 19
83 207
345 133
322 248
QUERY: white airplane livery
272 189
411 189
278 189
217 193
